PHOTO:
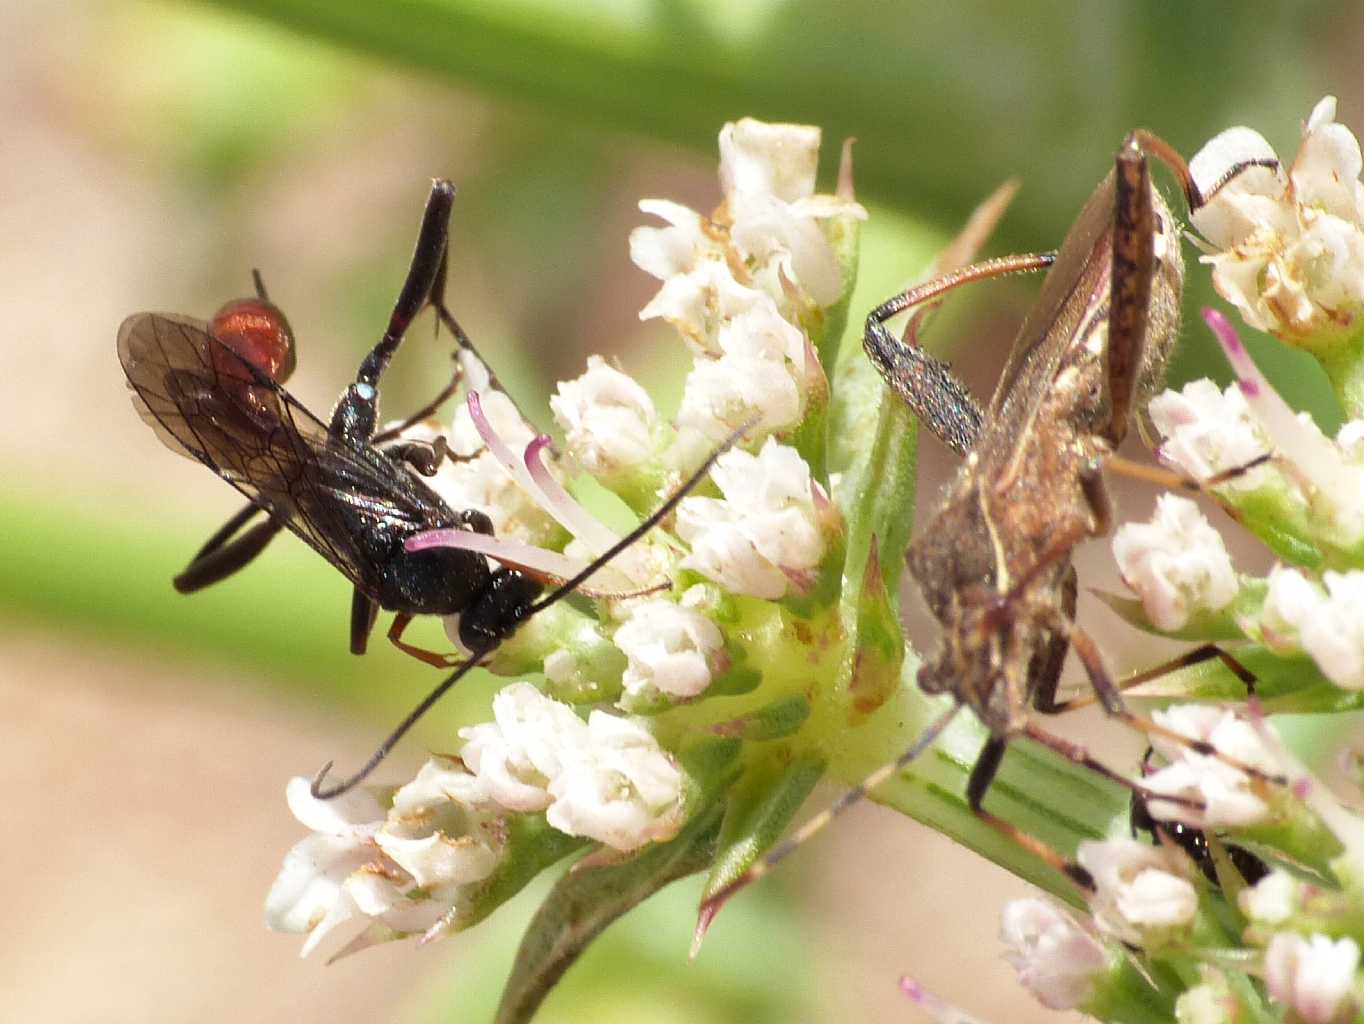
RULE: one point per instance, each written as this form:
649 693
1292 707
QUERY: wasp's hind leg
223 553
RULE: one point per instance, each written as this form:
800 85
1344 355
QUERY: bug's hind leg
223 553
927 385
982 774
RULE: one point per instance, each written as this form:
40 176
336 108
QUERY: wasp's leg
423 456
926 384
363 611
223 554
395 634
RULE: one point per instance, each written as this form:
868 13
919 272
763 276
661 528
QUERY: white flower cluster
1207 431
606 778
1314 976
672 649
397 861
1288 248
1177 563
1228 796
734 285
608 420
1326 623
766 537
1056 956
1143 894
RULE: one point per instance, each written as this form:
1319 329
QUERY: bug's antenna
560 592
656 517
397 734
261 293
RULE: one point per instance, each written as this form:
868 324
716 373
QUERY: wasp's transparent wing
207 403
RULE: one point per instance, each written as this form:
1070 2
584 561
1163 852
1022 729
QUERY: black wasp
212 392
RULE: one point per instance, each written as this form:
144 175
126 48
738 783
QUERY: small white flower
670 649
768 174
618 788
1290 248
1207 431
608 419
700 302
764 538
1142 892
523 749
679 248
1209 1002
397 873
779 160
1313 976
1177 563
1055 957
440 829
1329 626
1272 900
1226 792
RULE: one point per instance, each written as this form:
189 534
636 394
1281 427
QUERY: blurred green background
155 152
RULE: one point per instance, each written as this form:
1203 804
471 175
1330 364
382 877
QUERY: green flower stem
1344 365
1058 802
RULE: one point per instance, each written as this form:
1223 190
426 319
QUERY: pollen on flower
1177 563
1288 248
525 746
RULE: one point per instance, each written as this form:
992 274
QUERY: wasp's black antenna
555 595
261 293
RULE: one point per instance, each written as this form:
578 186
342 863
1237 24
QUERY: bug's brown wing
206 403
1078 279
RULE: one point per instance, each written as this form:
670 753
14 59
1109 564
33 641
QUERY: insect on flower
212 392
994 562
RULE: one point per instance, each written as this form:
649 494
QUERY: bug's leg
1173 481
1134 266
1205 652
1109 695
982 774
363 611
1079 755
223 554
356 413
926 384
395 633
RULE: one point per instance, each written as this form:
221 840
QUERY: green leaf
761 806
586 900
